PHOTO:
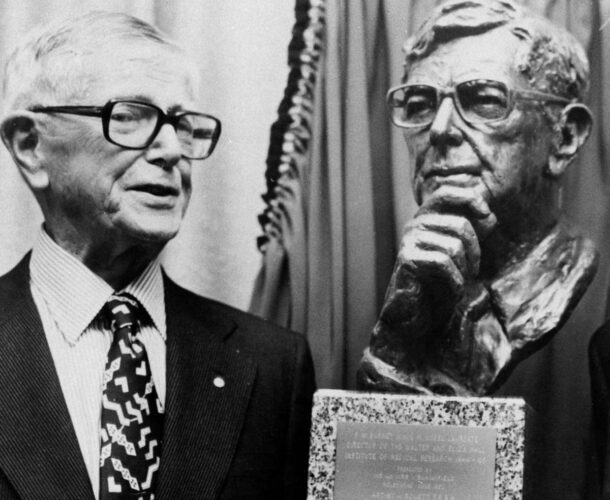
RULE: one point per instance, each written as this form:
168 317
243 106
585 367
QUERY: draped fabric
336 212
240 46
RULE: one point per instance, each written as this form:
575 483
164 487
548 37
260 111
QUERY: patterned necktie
132 419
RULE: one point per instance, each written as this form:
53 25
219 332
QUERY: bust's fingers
437 269
426 231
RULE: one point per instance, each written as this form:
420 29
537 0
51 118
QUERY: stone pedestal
402 447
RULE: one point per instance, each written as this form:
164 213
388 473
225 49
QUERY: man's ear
572 132
21 136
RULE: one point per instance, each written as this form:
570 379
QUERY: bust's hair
56 64
551 59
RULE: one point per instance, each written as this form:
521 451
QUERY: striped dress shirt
69 297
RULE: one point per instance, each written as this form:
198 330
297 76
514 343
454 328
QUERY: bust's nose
443 130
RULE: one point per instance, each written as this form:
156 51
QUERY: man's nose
443 130
165 148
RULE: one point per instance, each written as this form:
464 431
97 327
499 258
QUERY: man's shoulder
15 295
15 283
246 328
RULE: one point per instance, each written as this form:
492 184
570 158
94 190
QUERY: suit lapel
209 386
39 451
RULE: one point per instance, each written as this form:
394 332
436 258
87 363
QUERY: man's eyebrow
175 108
136 97
147 100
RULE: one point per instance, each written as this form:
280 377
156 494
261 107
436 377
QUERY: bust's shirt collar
534 295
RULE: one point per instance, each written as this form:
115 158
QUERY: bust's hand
439 253
440 245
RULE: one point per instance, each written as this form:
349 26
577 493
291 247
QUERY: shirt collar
75 295
148 289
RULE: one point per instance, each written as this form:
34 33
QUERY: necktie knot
123 312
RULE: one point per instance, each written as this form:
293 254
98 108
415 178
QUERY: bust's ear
21 136
573 130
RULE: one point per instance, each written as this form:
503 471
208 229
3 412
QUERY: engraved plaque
406 447
412 462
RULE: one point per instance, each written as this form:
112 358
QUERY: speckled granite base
506 415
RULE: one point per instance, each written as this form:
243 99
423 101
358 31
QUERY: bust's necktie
132 419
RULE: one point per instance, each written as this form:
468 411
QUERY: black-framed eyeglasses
477 101
134 125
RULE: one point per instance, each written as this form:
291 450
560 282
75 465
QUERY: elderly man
116 382
492 114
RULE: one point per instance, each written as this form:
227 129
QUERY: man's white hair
56 64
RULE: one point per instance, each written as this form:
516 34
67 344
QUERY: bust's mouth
444 170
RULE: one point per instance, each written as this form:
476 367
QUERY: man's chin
153 232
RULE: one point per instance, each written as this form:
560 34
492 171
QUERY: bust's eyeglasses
134 125
477 101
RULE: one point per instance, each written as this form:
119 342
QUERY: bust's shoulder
600 340
575 248
563 259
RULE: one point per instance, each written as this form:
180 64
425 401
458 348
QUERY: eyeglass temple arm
72 110
534 95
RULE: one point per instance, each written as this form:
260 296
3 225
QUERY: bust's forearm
460 354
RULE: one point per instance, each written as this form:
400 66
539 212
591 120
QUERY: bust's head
548 56
492 99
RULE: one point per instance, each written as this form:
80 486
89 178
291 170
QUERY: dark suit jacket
599 367
246 440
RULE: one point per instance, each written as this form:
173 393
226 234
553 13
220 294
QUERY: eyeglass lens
477 100
134 124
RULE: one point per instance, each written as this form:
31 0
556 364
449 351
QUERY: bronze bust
487 272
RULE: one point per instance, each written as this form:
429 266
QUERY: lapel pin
219 382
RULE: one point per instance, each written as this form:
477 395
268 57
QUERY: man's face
100 191
502 161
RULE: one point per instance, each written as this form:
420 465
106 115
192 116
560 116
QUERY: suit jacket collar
208 389
39 452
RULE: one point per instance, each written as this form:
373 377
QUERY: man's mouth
156 189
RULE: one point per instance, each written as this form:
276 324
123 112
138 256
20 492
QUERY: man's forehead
164 78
